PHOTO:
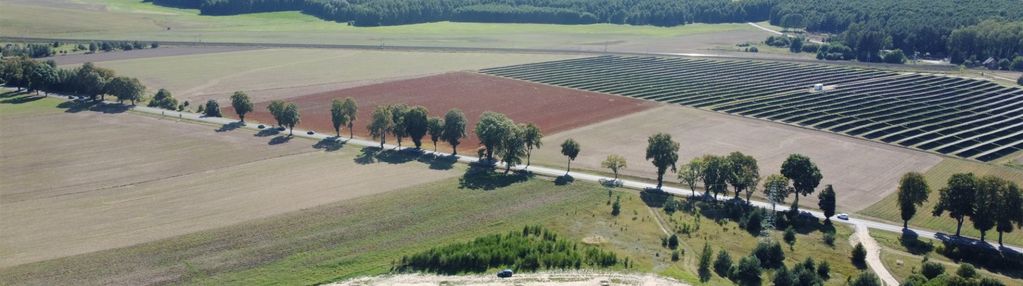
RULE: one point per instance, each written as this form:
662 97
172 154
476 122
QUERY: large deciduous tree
691 173
276 108
435 127
804 175
290 117
454 129
492 129
985 209
417 124
570 149
242 104
913 192
400 126
662 151
351 110
338 117
163 99
513 147
715 175
533 138
125 88
1010 209
380 124
826 202
957 198
743 173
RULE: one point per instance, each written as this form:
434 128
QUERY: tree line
989 201
87 80
532 249
398 12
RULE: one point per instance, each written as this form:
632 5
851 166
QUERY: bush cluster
531 249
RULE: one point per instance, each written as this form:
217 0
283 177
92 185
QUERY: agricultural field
125 178
138 20
878 166
267 74
937 178
952 116
474 94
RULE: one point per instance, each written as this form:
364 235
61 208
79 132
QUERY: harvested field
163 51
284 73
124 179
878 166
554 109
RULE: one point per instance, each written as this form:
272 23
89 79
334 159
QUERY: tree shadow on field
230 126
911 241
392 156
482 176
267 132
12 94
437 162
654 198
330 144
367 155
279 140
94 106
20 100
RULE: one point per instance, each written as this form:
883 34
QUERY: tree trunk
982 233
1000 239
795 205
507 168
660 179
529 152
905 224
454 150
616 175
291 131
381 143
959 226
338 132
569 169
351 132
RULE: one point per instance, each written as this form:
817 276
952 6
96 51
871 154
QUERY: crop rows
954 116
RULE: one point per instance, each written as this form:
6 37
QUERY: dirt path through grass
862 235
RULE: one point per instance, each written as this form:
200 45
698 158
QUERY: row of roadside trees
989 201
87 80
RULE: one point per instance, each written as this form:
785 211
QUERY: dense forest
965 30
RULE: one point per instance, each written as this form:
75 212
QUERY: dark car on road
505 273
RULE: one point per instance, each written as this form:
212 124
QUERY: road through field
575 175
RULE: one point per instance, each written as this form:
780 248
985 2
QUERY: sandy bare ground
164 51
877 166
268 74
73 183
571 278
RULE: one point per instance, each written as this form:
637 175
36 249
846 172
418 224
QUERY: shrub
673 241
790 236
829 238
704 270
782 277
866 278
988 281
675 255
859 256
1019 81
670 206
531 249
754 50
748 271
770 254
811 47
967 271
723 263
931 269
824 270
616 208
777 41
893 57
915 280
1017 63
164 99
212 109
1004 64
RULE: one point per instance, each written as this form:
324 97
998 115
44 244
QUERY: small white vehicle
843 216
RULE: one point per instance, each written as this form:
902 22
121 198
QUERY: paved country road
861 225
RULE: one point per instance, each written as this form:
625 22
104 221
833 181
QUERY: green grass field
135 20
903 262
937 176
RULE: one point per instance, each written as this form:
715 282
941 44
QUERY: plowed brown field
552 108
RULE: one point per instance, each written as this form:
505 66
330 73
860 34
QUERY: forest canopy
960 29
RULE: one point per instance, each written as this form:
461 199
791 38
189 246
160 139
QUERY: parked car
505 273
310 132
261 126
843 216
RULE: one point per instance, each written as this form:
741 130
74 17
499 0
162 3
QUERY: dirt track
165 51
554 109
